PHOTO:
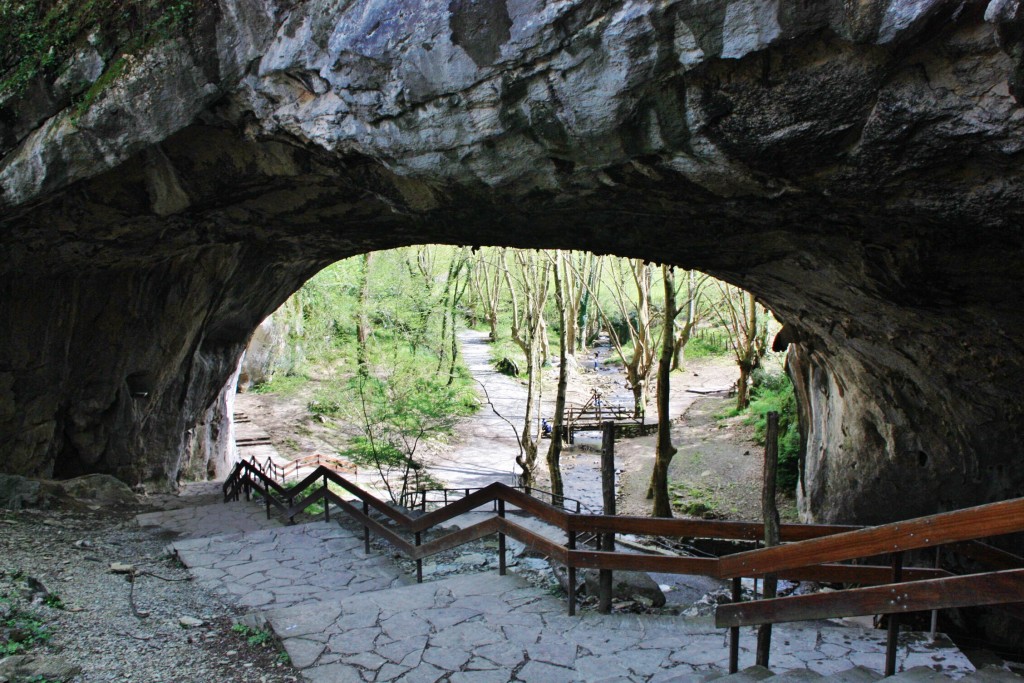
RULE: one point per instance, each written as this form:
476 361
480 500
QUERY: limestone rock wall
857 165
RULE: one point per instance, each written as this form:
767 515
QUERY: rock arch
858 167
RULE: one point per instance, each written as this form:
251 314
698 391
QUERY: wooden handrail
990 588
811 551
923 532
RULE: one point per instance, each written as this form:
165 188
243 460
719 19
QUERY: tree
693 312
527 284
566 321
396 409
658 489
636 322
487 287
746 322
363 322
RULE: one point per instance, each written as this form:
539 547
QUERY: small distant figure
545 426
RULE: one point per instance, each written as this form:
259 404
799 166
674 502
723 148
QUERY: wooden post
327 503
734 632
770 514
366 529
501 540
571 572
892 638
935 612
604 605
419 562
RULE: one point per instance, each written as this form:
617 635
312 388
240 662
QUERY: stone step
486 627
289 565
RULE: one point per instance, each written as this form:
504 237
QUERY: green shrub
774 392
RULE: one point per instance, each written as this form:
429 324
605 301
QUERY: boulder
627 586
101 489
18 492
37 667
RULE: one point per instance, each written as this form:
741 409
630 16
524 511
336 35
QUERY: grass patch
707 344
695 500
282 385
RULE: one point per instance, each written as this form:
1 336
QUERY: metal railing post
501 540
571 576
892 637
423 500
419 562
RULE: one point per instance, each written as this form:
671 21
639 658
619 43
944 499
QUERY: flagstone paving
345 616
313 562
484 627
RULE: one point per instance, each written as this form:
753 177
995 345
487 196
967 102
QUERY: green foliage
54 601
774 392
38 36
282 385
696 501
397 408
21 631
255 637
707 343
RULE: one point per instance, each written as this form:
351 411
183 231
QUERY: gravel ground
88 614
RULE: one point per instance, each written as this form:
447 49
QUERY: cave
858 166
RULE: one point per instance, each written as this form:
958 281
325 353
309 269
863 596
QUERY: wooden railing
290 470
808 552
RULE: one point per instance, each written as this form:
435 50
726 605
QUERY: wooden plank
539 509
696 528
533 541
923 532
472 533
856 573
299 506
474 500
959 591
374 502
592 559
375 526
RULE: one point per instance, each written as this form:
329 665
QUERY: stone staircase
343 615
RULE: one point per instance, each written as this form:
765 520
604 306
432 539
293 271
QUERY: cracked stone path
301 564
485 628
346 616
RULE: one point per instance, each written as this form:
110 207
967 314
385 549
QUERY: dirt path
486 446
717 464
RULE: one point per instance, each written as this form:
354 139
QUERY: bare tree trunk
363 323
555 449
658 488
